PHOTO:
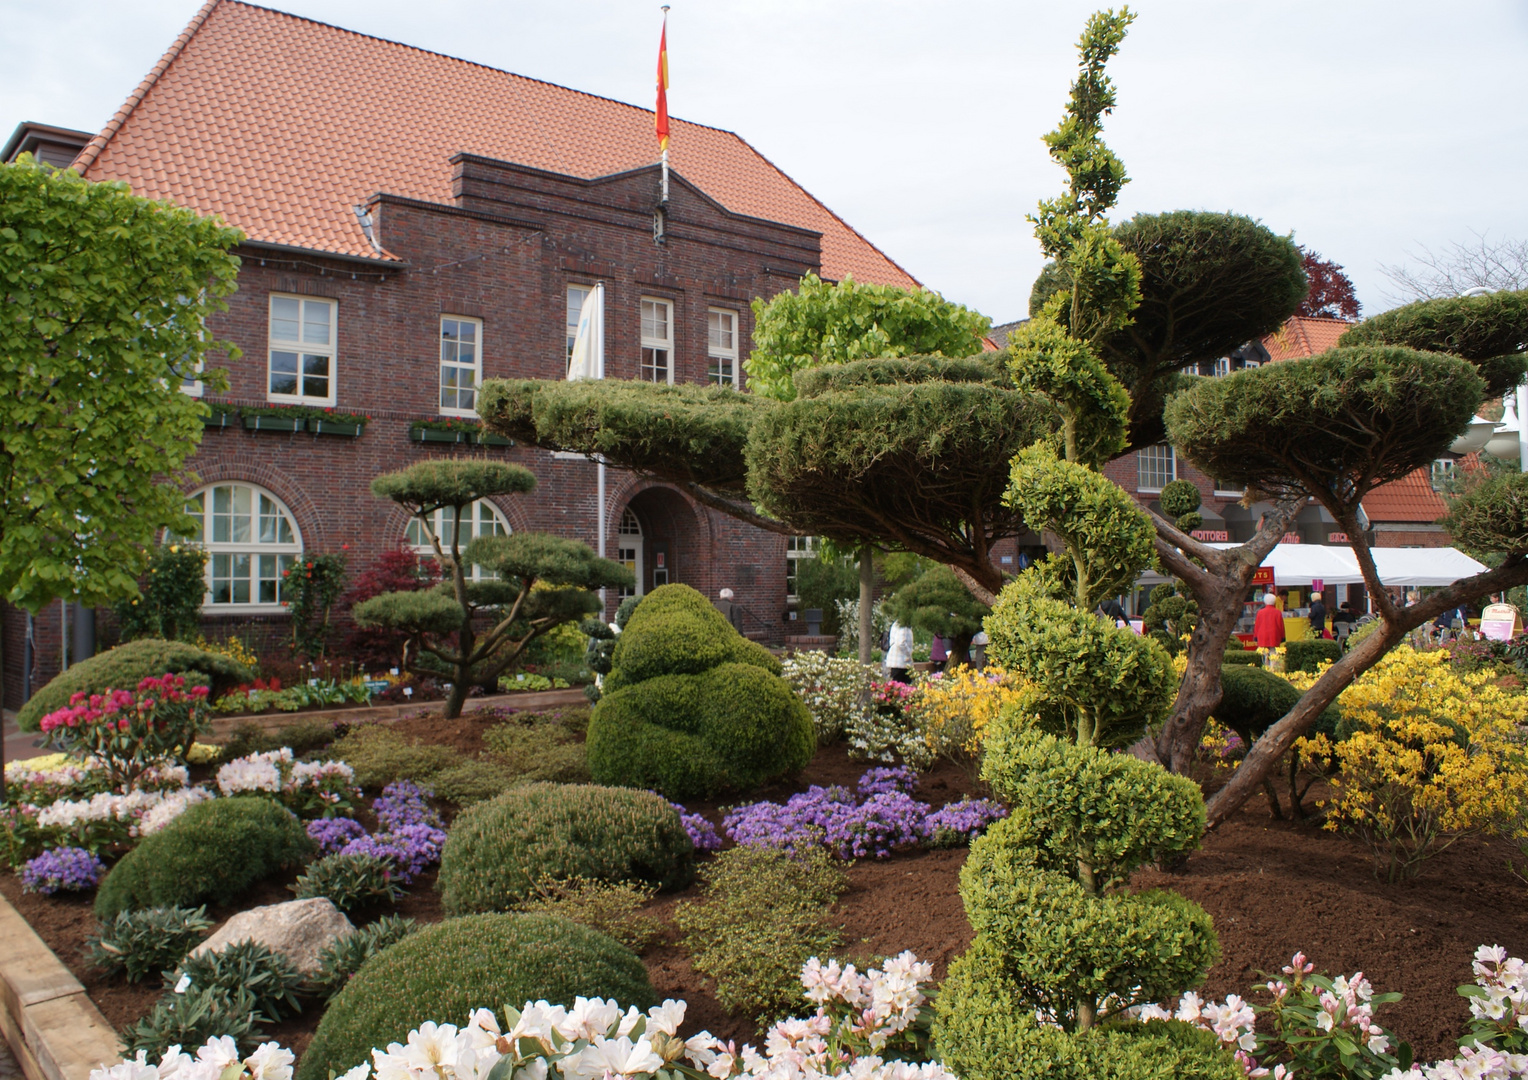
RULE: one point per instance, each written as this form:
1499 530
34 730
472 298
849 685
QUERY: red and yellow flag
661 124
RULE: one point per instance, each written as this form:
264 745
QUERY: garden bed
1273 887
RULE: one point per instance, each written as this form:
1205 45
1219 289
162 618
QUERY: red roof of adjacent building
282 125
1411 498
1304 335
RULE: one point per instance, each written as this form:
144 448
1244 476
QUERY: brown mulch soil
1273 887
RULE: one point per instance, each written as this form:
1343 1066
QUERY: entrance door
628 550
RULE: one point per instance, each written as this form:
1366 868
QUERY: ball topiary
210 854
1308 655
1252 700
691 707
124 667
979 1035
445 971
497 851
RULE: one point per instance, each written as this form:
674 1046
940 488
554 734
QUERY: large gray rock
297 929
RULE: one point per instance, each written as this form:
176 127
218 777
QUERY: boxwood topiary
692 708
1243 657
124 667
445 971
497 851
1252 700
1307 655
210 854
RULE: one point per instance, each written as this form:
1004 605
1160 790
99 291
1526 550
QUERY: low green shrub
211 853
733 727
301 738
473 782
979 1035
124 667
445 971
611 907
343 957
1308 655
190 1019
268 976
763 915
1242 657
349 881
496 851
380 755
540 746
139 943
1252 700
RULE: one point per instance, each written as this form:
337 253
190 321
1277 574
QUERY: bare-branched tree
1457 267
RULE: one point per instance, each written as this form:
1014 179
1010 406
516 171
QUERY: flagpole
662 87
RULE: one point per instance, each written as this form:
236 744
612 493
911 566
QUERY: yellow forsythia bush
1431 755
954 710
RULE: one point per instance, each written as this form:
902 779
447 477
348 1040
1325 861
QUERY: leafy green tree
102 299
169 600
939 602
821 323
473 630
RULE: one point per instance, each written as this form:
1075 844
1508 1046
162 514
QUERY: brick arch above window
250 470
252 544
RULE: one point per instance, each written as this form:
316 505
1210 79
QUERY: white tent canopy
1301 564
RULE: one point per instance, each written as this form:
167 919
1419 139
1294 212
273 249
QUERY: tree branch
741 510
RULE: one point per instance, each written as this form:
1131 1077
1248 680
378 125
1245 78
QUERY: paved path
18 746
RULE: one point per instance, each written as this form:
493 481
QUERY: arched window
251 542
483 518
628 550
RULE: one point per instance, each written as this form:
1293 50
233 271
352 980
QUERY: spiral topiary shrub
445 971
497 851
692 708
210 854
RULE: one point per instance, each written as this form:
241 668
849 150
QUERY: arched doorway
662 542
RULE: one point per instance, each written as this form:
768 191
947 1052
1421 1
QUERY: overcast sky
1365 127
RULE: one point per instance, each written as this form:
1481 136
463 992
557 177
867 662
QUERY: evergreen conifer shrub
497 851
445 971
210 854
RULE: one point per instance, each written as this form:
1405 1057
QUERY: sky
1367 129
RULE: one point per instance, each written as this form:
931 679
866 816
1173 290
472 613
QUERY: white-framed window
721 345
797 548
1158 468
251 542
1443 471
461 364
657 340
628 550
482 518
1222 366
577 294
1230 489
303 332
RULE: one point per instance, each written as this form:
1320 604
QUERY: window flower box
488 438
274 423
220 418
349 429
439 435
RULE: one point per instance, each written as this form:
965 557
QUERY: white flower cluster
143 812
275 772
65 774
1478 1062
834 690
896 735
595 1040
217 1060
174 804
1502 1000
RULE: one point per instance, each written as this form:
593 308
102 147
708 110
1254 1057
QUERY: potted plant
443 429
333 422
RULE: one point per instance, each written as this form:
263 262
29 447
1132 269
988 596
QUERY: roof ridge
473 63
94 147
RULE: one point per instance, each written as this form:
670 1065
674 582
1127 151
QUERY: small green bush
979 1035
343 957
538 746
301 738
1306 655
764 914
211 853
445 971
124 667
611 907
349 881
379 755
472 782
733 727
496 851
1252 700
677 631
190 1019
269 977
139 943
1242 657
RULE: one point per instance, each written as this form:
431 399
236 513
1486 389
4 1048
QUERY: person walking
899 652
733 612
1268 630
1317 616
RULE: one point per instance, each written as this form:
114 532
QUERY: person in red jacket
1269 627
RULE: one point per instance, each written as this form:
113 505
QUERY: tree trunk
458 696
960 653
866 602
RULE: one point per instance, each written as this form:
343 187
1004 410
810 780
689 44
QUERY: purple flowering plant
702 832
66 869
410 836
880 781
332 834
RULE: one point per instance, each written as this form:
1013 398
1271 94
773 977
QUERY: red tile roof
1304 336
282 124
1411 498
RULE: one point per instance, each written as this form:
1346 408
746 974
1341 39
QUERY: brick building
415 224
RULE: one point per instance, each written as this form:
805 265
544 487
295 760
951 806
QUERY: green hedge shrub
1252 700
443 972
677 631
210 854
541 746
979 1035
1305 655
496 852
379 755
733 727
124 667
1242 657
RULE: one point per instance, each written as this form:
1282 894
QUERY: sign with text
1291 538
1263 575
1336 538
1317 585
1210 536
1497 622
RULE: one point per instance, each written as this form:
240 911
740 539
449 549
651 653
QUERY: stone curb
55 1031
